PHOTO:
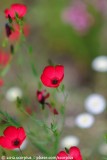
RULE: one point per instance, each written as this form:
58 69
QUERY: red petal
62 156
49 71
59 71
4 58
20 9
75 153
1 82
21 134
11 132
6 11
5 142
48 82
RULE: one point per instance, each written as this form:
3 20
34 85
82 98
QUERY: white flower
95 103
103 149
100 64
13 93
84 120
69 141
23 145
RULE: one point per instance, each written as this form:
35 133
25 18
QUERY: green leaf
67 150
62 88
10 120
4 71
30 50
18 102
34 70
62 110
4 43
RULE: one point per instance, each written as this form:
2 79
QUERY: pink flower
77 16
19 9
101 5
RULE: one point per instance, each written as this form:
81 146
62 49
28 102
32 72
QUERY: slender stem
21 152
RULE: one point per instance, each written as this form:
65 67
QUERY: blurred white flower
69 141
84 120
95 103
100 64
23 145
103 149
13 93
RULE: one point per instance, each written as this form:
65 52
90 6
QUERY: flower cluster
51 76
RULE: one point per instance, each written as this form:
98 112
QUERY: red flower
42 96
74 154
4 58
13 137
15 34
52 76
1 82
19 9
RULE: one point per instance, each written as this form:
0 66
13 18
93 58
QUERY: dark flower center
16 142
54 81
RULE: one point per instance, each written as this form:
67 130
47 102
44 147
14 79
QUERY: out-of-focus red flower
1 82
42 96
15 33
29 110
19 9
13 137
4 58
52 76
74 154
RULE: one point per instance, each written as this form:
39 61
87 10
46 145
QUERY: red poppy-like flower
28 110
19 9
4 58
15 33
13 137
52 76
74 154
42 96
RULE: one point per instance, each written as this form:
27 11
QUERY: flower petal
21 133
47 82
49 71
75 153
62 156
11 132
59 71
5 142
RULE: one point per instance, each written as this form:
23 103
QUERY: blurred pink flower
101 5
78 16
